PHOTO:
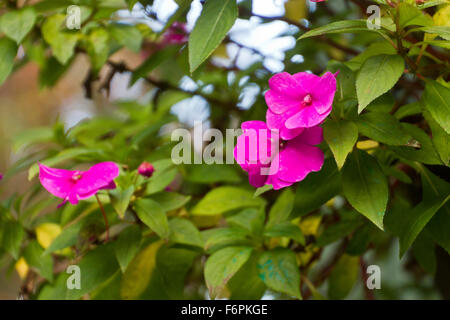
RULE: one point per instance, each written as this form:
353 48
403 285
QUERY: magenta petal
308 80
97 177
306 118
56 181
253 148
277 122
297 160
277 183
256 179
312 136
285 93
323 93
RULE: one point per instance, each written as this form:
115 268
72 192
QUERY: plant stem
104 217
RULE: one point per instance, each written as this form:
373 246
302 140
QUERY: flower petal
308 80
298 159
312 136
285 93
56 181
97 177
323 93
277 121
306 118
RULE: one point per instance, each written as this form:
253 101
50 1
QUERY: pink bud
146 169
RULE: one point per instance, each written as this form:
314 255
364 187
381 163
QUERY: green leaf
212 173
250 219
127 245
184 231
98 48
247 277
410 15
436 98
17 24
263 189
375 49
383 127
425 154
153 215
341 136
279 270
442 31
338 231
66 238
416 220
223 199
424 252
377 75
282 208
120 199
160 180
365 186
152 62
317 188
438 229
96 267
285 229
8 51
11 237
170 200
31 136
126 35
62 43
222 265
217 238
343 277
44 264
440 139
216 19
139 272
344 26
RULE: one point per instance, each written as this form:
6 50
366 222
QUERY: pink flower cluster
282 150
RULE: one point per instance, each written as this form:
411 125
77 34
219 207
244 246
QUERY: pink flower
269 160
1 177
176 34
298 101
73 186
146 169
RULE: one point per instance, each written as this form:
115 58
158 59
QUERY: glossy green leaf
377 75
365 186
216 19
341 136
153 215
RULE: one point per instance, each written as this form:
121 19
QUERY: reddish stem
104 217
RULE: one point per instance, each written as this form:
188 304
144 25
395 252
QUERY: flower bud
146 169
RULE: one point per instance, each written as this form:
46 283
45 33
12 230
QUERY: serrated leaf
377 75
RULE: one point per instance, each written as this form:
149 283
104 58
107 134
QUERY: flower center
76 176
307 100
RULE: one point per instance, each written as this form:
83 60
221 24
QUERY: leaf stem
104 217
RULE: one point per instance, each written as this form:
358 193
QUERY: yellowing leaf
367 144
22 268
139 272
295 9
310 225
46 233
